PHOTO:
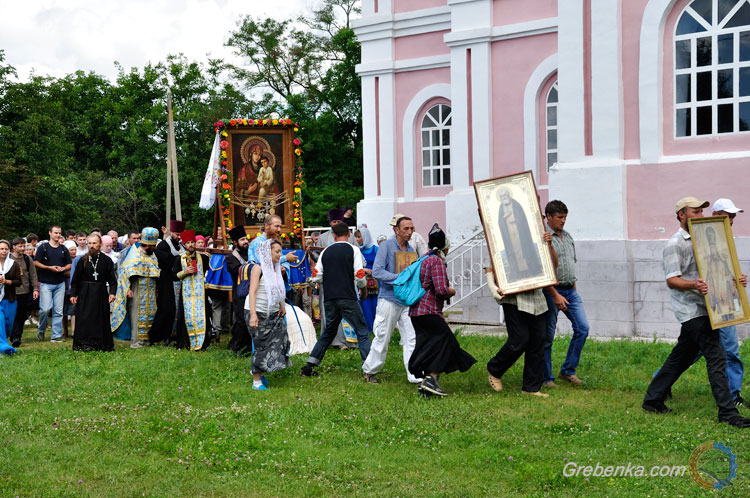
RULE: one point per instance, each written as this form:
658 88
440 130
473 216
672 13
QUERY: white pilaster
387 113
570 140
369 138
459 130
481 110
606 79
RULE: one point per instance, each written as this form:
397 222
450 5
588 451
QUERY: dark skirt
437 349
93 331
270 343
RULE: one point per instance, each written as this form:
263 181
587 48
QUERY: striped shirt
678 260
566 257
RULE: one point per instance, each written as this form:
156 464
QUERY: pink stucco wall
407 85
630 24
422 45
423 214
516 60
514 11
693 145
653 190
409 5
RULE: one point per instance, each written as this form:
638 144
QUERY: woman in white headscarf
264 314
10 278
369 302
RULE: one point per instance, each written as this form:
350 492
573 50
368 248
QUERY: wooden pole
172 159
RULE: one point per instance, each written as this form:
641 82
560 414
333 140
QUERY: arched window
712 68
436 146
551 125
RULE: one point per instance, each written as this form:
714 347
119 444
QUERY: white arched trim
650 79
409 127
530 114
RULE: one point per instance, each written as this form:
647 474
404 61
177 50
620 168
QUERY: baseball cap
727 206
396 217
690 202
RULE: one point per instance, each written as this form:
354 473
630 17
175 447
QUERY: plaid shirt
434 278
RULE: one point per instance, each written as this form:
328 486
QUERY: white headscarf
274 282
5 268
366 237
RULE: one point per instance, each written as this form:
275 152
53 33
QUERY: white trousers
389 315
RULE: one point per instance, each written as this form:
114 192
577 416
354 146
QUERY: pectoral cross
95 275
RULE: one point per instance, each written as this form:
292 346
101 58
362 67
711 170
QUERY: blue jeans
336 309
577 317
51 299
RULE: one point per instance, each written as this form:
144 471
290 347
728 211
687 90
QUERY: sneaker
261 387
307 371
660 408
370 378
56 340
535 393
40 336
136 345
495 383
550 384
16 343
430 384
573 379
739 422
425 394
738 401
263 380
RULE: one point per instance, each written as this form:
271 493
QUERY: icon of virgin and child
256 181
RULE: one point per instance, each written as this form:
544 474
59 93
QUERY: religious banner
260 175
513 226
716 257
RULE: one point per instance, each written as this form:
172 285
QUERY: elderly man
391 312
135 302
687 291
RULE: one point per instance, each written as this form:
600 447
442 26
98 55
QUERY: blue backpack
408 287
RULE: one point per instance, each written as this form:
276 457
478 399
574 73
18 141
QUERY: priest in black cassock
240 342
167 252
88 291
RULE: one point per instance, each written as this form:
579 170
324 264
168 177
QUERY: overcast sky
58 37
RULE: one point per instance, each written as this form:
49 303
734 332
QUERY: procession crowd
149 288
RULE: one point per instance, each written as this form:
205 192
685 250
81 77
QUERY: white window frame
440 147
714 31
547 127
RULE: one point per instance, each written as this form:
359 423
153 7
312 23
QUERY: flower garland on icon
225 178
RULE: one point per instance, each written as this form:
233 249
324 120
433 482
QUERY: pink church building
618 108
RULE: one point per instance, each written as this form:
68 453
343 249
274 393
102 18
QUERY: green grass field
160 422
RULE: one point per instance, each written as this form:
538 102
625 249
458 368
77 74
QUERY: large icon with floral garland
259 177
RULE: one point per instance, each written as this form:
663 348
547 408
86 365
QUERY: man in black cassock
240 342
88 291
167 252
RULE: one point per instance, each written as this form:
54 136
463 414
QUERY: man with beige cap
687 291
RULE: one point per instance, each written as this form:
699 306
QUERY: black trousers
695 336
526 333
23 311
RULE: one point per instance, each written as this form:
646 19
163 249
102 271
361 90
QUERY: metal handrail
465 268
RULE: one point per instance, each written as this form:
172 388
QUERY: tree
312 71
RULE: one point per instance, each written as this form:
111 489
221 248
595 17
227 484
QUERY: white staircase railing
466 268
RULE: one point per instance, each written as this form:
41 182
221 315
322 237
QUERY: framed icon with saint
513 226
716 257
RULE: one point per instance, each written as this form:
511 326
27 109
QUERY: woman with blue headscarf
369 250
